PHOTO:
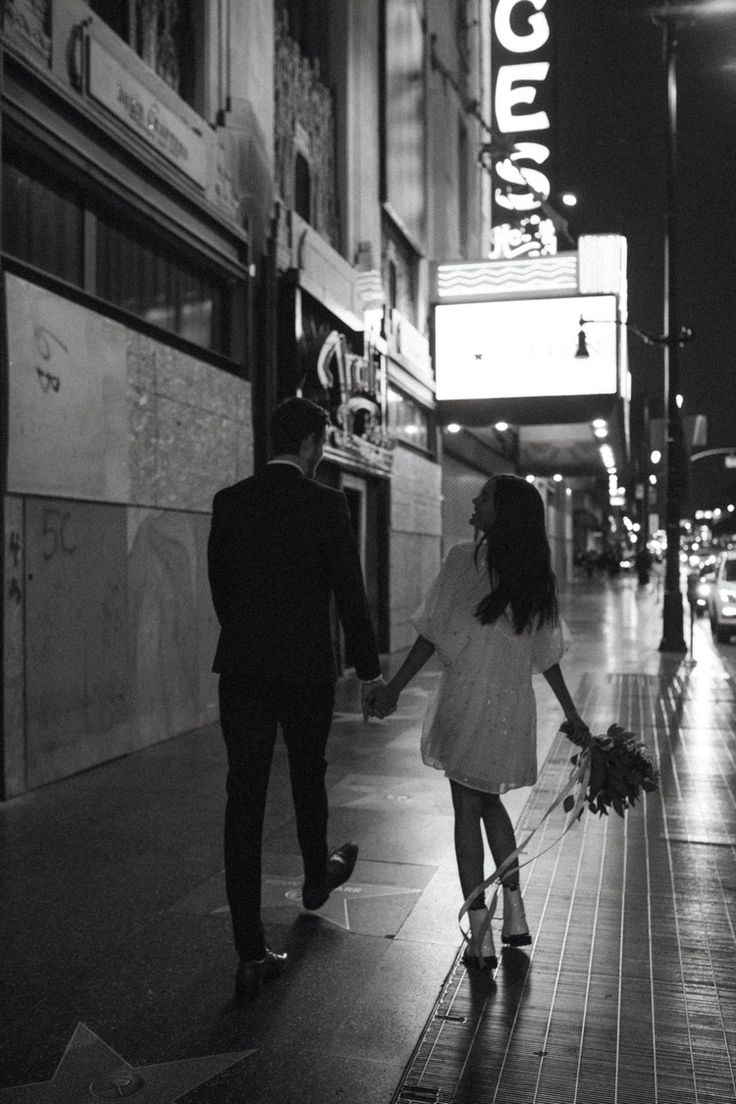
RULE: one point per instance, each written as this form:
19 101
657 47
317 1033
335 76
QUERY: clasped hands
378 699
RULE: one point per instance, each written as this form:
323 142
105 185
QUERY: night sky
611 123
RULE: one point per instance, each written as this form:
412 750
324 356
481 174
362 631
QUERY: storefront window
409 421
140 276
43 224
51 227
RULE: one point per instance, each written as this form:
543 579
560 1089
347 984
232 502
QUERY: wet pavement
117 964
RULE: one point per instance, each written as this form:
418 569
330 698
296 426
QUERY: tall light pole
674 336
673 639
671 16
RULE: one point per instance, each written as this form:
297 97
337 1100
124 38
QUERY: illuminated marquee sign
525 348
522 97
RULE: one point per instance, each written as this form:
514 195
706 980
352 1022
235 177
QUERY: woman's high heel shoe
515 931
480 954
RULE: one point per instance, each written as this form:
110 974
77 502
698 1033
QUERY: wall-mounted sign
525 348
521 50
127 98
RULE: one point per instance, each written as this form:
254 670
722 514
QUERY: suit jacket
280 545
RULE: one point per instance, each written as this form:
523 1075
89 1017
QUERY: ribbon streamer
577 781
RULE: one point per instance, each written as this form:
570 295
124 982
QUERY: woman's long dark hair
518 558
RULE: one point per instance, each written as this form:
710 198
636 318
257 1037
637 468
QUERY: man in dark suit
280 545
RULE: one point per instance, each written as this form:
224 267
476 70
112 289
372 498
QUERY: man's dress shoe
340 866
252 974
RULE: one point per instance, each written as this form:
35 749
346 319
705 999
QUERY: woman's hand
382 701
576 730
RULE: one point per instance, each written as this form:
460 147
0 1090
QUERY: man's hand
382 701
367 690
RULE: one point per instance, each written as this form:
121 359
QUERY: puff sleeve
426 619
447 616
549 644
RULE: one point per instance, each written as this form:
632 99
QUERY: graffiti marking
48 381
15 546
54 532
41 337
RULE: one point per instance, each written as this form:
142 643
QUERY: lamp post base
673 639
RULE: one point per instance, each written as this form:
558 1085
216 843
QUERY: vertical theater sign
522 99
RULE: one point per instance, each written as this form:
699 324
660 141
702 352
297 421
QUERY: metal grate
628 994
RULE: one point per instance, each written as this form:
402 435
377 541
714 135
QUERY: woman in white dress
480 728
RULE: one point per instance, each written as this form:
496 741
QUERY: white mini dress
481 726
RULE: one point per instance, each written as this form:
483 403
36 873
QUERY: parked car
700 583
723 598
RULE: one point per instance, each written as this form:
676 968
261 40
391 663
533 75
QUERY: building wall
247 111
416 539
117 436
360 165
452 169
559 516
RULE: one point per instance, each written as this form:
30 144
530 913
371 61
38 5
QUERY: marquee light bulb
607 456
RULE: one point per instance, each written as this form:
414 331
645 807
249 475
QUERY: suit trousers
250 711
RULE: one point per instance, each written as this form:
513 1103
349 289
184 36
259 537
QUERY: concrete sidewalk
117 962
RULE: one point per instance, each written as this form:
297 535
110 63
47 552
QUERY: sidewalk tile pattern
627 995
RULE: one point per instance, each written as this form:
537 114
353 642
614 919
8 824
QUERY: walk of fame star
286 892
91 1071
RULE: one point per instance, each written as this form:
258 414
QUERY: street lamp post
673 337
673 639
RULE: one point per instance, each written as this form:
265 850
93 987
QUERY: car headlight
727 596
703 590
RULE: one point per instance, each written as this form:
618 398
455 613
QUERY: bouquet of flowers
620 770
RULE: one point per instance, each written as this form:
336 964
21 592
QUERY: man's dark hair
293 421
